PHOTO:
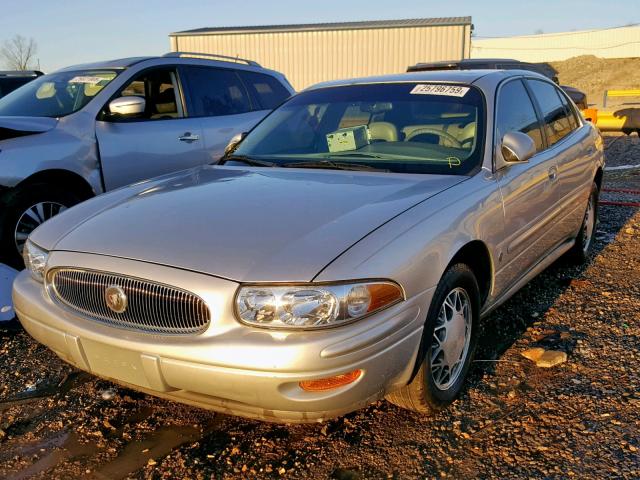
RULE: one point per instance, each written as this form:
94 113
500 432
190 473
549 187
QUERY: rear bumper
241 371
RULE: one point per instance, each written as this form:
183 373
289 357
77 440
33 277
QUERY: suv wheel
22 210
449 342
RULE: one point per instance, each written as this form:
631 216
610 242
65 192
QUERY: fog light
330 383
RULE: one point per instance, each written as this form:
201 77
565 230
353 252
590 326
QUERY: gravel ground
579 419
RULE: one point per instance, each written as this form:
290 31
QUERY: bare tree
18 52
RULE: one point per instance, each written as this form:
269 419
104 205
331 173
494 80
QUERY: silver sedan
343 251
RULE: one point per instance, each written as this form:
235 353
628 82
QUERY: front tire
449 341
22 210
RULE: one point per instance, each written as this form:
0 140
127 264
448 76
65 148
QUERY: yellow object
623 120
619 94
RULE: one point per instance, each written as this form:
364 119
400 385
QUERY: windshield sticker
86 79
453 162
445 90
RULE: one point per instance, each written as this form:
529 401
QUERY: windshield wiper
248 160
329 164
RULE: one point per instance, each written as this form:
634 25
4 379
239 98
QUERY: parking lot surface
577 419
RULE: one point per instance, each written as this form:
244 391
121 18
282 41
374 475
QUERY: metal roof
405 23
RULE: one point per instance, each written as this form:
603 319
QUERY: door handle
189 137
591 150
553 173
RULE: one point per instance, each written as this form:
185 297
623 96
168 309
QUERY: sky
73 31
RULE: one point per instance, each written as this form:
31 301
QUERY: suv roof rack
21 73
212 56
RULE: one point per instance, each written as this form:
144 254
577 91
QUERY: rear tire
450 338
579 253
22 210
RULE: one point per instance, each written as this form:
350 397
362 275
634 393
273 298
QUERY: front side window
215 92
57 94
159 88
516 113
399 127
555 117
267 91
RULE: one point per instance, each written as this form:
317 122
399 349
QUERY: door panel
530 199
529 189
157 141
130 152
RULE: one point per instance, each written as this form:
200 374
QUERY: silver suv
87 129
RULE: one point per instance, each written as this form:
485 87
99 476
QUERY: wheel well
476 256
598 178
65 178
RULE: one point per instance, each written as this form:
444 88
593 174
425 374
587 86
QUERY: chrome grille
151 307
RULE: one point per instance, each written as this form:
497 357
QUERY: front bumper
231 368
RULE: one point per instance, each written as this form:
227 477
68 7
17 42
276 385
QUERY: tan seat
383 131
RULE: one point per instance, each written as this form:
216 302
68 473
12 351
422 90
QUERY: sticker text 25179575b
435 89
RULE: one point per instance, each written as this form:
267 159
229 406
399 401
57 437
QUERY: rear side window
266 90
516 113
571 114
215 92
556 118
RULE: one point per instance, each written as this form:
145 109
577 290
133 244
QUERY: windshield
56 94
400 127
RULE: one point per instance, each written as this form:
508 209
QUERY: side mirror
517 147
234 142
127 106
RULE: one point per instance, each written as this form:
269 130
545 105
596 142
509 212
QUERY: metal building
616 42
312 53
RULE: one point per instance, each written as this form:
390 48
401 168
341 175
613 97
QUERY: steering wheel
434 131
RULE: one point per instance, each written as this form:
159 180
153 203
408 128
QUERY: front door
158 141
529 190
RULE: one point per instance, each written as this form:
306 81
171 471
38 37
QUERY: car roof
123 63
445 76
118 63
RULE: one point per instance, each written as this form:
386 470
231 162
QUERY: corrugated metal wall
308 57
608 43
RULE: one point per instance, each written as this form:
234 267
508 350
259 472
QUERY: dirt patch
594 75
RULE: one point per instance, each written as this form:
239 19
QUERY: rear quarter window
267 91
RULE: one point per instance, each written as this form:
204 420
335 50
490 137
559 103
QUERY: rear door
222 104
529 189
573 148
161 140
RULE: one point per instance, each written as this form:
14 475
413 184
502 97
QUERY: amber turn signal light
330 383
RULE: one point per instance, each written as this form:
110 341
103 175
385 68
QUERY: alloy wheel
451 338
32 218
589 225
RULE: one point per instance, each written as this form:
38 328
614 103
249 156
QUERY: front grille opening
151 307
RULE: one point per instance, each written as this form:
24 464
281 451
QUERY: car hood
12 127
248 225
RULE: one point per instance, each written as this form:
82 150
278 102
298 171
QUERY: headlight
313 305
35 259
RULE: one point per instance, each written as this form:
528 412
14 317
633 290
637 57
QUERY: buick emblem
116 299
